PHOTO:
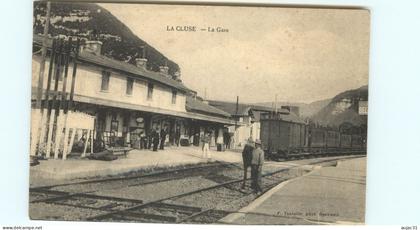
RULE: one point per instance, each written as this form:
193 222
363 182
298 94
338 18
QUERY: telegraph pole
37 117
44 55
236 119
275 103
236 110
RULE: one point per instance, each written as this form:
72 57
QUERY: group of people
253 157
252 154
223 141
154 140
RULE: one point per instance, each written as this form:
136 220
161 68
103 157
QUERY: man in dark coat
162 138
226 139
155 136
150 136
256 167
246 158
177 136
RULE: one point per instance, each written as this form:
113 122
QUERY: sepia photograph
198 113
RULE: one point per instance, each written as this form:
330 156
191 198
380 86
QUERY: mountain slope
88 20
343 108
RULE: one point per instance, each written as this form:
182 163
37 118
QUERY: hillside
343 108
88 20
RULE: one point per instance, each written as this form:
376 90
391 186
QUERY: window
149 91
173 96
105 80
114 126
129 89
114 122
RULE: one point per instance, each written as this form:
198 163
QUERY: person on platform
256 167
144 141
150 136
162 138
226 139
206 146
142 137
232 141
246 158
177 136
155 136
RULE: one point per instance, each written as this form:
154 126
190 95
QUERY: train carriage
333 139
345 141
317 137
356 141
282 134
332 142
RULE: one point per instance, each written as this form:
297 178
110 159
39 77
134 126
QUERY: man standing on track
256 167
246 158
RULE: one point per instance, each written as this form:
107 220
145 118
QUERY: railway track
170 172
204 205
41 193
314 154
172 209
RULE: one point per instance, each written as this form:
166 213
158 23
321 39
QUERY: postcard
199 114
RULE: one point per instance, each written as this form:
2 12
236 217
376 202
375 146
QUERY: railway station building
122 101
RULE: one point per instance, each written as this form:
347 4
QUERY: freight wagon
285 135
282 134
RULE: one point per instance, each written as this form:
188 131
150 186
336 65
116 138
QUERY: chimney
141 63
285 107
177 76
91 47
292 109
164 69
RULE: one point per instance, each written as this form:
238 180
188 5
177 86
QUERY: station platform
326 195
57 170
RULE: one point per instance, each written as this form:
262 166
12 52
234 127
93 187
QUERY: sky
298 54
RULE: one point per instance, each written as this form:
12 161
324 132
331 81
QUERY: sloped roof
123 67
201 107
118 104
243 109
230 107
139 72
